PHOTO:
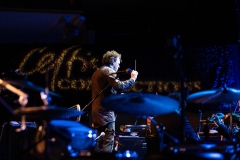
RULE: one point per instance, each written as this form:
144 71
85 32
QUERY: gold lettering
64 84
159 86
28 58
45 63
151 86
93 63
165 86
76 84
46 60
74 58
57 66
176 86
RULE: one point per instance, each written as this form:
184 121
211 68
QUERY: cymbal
222 95
141 104
30 85
46 112
70 125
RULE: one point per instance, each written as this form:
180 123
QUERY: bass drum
80 137
66 139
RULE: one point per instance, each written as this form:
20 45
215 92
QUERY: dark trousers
106 143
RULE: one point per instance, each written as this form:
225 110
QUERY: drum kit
219 96
80 138
55 134
147 104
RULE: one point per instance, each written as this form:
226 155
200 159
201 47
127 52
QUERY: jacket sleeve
116 83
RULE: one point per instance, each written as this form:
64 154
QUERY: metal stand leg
161 137
160 131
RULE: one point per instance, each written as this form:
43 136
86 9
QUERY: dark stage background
32 43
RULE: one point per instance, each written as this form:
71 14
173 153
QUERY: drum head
65 123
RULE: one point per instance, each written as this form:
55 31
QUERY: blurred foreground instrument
222 95
141 104
30 85
46 112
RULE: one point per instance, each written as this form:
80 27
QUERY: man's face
116 65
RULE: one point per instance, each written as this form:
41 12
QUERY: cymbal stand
231 124
160 130
232 134
177 57
200 118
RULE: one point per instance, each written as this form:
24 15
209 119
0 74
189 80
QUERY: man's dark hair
110 57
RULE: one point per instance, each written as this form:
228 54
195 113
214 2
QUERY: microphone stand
98 93
96 96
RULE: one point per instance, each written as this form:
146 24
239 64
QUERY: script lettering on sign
70 69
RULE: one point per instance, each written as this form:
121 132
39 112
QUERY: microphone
100 136
127 71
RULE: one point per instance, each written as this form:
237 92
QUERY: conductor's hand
134 74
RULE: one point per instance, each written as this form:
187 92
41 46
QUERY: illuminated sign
62 69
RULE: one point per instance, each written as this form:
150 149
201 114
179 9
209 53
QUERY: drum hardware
134 130
237 108
235 118
46 114
137 126
143 105
28 124
200 118
161 133
208 133
221 95
132 143
78 108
